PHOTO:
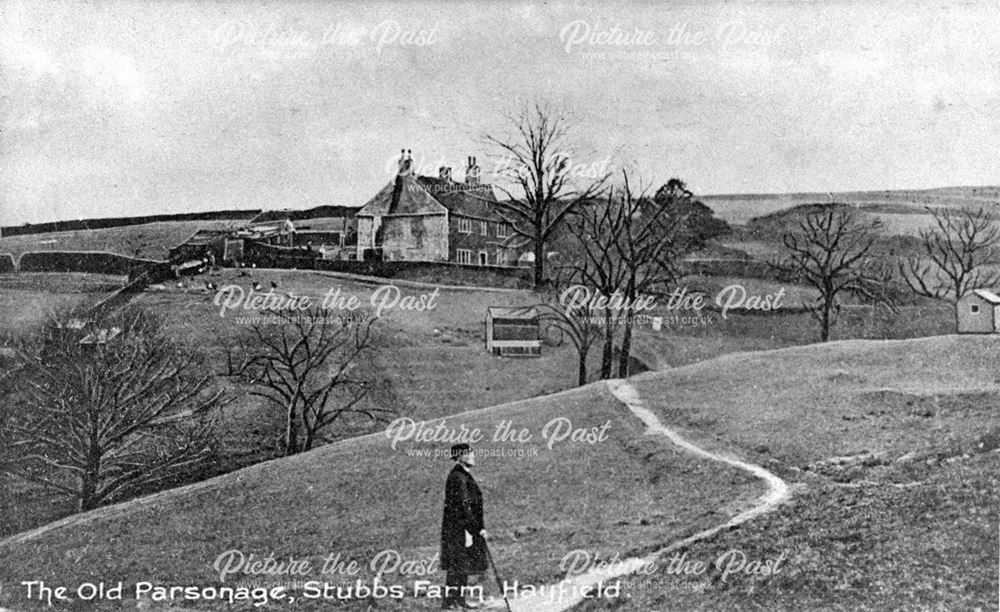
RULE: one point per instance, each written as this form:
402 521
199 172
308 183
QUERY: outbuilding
978 312
513 332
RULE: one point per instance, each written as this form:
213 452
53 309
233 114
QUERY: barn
978 312
200 245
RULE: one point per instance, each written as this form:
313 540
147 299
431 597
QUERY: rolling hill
864 430
740 208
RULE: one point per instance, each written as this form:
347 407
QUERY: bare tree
958 253
8 365
307 366
108 409
628 245
651 246
582 325
237 356
538 162
594 266
831 251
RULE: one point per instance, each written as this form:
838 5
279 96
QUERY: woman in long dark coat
463 536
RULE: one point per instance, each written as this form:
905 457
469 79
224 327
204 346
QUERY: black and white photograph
516 306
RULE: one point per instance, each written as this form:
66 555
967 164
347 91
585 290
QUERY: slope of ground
684 340
151 240
890 446
893 449
28 299
740 208
813 402
360 496
435 358
927 545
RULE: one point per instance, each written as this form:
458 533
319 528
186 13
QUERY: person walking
463 535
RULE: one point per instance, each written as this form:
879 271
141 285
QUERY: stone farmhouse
422 218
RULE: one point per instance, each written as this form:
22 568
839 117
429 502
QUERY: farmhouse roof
462 198
203 236
404 196
988 295
409 195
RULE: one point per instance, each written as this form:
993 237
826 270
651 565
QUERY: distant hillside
108 222
898 220
740 208
148 240
319 212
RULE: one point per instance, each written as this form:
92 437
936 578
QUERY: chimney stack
405 162
472 172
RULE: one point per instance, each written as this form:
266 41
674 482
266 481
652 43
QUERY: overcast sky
129 108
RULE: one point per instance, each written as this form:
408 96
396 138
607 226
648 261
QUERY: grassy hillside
740 208
151 240
893 449
839 398
28 299
889 447
361 496
434 362
436 358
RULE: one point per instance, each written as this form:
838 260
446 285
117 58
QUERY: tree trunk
291 432
87 494
539 263
609 345
89 480
626 351
581 373
824 323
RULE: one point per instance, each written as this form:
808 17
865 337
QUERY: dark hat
458 450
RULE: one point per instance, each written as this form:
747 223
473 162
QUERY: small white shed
513 332
978 312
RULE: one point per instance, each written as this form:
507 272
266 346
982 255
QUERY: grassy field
436 359
433 363
360 496
837 399
932 546
684 343
151 240
889 447
740 208
29 299
893 451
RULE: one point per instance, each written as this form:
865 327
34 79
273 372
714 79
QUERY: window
482 228
464 256
464 225
974 308
501 230
483 258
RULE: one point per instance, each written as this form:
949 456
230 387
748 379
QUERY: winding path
777 492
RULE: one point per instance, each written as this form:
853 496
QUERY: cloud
26 62
45 88
109 78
